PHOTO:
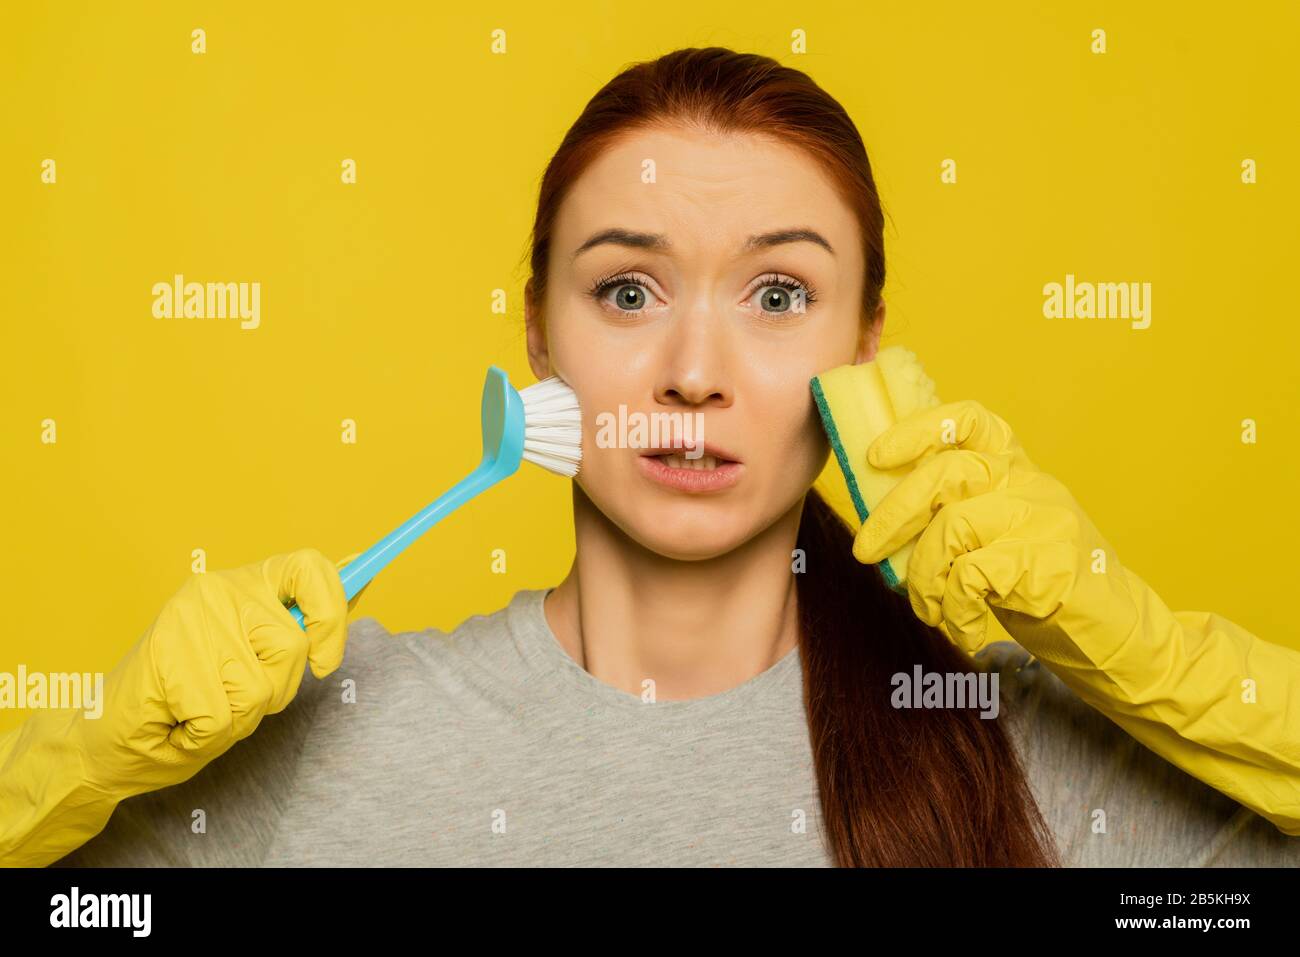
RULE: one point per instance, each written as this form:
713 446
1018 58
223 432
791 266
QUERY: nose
695 369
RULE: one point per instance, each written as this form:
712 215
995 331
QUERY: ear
869 338
539 357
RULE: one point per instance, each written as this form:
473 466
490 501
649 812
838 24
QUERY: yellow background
376 297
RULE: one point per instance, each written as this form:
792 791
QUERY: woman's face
690 283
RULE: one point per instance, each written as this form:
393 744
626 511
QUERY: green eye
781 294
632 295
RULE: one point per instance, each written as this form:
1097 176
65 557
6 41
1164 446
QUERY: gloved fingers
311 580
250 690
964 424
281 646
964 611
948 477
280 650
183 645
959 529
1028 550
1031 577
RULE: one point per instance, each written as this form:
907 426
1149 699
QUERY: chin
692 530
688 545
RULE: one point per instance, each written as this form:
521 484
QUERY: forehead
709 191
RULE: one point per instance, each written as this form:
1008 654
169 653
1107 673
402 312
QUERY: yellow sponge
858 403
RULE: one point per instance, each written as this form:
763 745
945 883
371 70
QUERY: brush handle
358 573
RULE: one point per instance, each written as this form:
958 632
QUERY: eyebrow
659 242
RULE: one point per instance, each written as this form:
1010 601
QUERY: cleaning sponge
858 403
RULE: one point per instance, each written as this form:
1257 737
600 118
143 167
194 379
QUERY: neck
697 628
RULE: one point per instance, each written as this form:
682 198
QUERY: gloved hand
999 536
223 652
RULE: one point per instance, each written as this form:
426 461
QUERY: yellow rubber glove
999 536
223 652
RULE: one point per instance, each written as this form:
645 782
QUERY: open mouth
712 471
678 460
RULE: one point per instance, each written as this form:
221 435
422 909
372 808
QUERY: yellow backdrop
377 297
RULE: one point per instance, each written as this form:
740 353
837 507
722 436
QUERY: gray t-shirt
491 746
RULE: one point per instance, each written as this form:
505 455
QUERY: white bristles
552 426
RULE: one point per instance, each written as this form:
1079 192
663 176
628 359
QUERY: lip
726 475
709 449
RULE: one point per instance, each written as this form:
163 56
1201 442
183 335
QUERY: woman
708 238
